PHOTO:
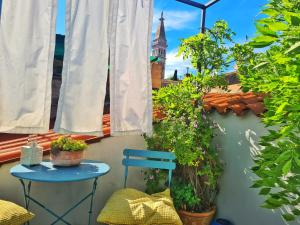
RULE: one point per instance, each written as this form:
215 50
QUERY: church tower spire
160 32
159 45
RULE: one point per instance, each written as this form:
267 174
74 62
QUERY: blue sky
182 21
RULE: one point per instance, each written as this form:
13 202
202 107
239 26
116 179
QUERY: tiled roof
239 103
10 149
231 100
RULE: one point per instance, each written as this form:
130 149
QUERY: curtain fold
27 41
130 76
85 68
95 31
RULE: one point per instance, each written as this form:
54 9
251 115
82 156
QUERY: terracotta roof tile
221 106
222 102
10 144
207 107
238 108
236 102
10 148
258 108
218 100
234 99
249 99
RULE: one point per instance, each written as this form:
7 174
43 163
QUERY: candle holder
32 153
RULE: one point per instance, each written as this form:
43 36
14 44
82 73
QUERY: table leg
28 198
92 200
26 195
26 192
91 194
49 211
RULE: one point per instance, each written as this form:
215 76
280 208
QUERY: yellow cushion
12 214
130 206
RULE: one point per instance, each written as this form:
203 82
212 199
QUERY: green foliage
209 52
277 73
184 196
68 144
155 180
186 129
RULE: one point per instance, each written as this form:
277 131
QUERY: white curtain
85 69
27 41
130 77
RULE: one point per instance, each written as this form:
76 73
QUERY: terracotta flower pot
65 158
189 218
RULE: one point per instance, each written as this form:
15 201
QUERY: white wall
238 140
61 196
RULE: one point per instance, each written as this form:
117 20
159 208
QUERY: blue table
46 172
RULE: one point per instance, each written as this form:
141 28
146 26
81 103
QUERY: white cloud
176 19
175 62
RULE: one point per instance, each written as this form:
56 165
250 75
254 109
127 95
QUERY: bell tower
159 45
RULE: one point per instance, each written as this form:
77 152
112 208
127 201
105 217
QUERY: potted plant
66 151
187 131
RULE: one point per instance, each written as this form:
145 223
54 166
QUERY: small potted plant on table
66 151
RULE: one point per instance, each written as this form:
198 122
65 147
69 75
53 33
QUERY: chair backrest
149 159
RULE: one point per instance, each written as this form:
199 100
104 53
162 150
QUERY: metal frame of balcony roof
201 6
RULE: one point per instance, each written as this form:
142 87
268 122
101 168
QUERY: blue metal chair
149 159
117 204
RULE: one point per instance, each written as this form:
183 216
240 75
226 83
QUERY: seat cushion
130 206
12 214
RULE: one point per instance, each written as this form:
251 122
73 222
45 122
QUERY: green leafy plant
184 196
276 72
155 180
186 129
67 144
209 53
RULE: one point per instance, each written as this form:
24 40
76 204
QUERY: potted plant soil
66 151
187 130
